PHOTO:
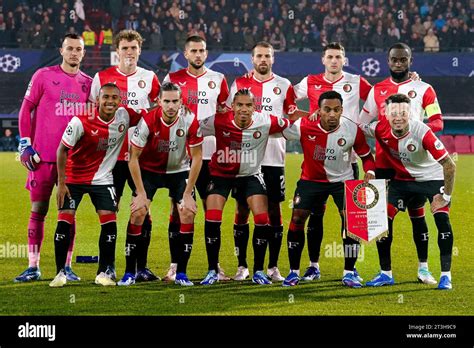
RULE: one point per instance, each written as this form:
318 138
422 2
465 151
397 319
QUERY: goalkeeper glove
28 156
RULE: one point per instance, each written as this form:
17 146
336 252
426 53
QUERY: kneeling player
327 145
90 145
159 159
423 169
241 140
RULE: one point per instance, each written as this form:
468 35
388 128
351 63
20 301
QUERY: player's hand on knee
28 156
63 191
188 203
139 202
438 203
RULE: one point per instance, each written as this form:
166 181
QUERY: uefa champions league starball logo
9 63
371 67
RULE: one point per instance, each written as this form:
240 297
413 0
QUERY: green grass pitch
324 297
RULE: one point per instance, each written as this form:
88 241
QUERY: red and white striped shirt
415 155
165 145
351 87
137 90
423 100
327 155
95 146
276 96
202 94
240 151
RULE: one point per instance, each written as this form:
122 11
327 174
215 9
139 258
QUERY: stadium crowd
289 25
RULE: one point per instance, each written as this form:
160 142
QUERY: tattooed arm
449 171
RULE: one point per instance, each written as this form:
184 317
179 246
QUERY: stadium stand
462 143
361 25
448 141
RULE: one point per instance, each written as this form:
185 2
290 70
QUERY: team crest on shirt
141 84
412 94
411 147
347 88
180 132
277 90
211 84
121 128
257 134
365 195
341 142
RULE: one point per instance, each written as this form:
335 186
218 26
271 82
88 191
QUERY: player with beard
52 94
273 94
352 89
204 92
423 106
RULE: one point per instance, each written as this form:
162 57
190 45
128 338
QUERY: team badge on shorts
211 84
180 132
296 200
281 122
341 142
365 195
347 88
141 84
277 90
69 130
411 147
412 94
121 128
257 134
210 186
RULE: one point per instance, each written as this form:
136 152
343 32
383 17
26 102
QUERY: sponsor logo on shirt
226 134
312 137
318 86
94 133
383 92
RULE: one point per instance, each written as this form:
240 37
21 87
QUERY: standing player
423 169
160 159
139 89
51 95
204 91
327 146
86 156
352 88
423 101
242 136
275 95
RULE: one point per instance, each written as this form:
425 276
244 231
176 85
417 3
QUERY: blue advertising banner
451 64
